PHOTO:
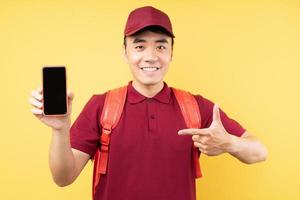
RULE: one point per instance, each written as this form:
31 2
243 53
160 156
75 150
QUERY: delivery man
150 149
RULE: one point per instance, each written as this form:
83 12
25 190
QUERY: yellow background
243 55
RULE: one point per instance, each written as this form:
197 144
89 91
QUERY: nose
151 55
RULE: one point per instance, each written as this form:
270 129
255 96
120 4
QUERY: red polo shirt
148 160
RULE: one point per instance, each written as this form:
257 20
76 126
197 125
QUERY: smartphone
55 90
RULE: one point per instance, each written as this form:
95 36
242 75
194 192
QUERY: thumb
216 113
70 95
70 99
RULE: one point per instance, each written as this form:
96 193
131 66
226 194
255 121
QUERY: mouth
150 69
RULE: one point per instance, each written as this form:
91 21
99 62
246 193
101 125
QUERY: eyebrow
139 40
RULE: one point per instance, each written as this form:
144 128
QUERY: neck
148 91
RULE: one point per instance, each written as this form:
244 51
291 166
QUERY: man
149 157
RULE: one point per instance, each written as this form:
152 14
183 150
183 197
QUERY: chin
149 82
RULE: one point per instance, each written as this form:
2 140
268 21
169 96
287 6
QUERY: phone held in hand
55 90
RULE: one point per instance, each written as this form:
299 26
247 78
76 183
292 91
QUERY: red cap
147 16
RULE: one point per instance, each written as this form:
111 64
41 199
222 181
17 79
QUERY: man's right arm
65 163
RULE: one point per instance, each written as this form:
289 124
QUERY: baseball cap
147 16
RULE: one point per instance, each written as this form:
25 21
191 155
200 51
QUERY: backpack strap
191 113
111 114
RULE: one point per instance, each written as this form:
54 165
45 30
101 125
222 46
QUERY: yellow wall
242 54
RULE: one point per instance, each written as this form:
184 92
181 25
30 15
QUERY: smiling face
148 55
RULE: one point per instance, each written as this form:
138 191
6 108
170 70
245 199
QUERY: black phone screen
54 90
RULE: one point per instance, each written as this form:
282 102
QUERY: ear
170 40
124 54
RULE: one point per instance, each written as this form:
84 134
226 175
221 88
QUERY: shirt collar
134 96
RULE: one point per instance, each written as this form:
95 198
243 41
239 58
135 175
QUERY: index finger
193 131
40 89
36 95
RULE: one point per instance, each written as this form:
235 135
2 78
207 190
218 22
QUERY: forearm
61 158
246 149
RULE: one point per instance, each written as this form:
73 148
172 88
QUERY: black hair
154 29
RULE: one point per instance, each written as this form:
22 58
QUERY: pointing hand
213 140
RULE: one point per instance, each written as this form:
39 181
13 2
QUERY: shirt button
152 116
150 100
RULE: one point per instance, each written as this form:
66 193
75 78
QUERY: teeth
149 69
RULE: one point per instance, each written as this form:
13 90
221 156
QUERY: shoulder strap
191 114
111 114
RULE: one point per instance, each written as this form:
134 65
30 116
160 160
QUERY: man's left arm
246 148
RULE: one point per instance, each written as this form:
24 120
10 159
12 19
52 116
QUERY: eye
161 47
140 47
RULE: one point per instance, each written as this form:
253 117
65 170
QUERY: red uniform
147 159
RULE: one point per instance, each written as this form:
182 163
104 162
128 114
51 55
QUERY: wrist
231 146
64 130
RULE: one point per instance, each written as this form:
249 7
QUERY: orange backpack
111 114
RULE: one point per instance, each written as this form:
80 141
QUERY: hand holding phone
55 121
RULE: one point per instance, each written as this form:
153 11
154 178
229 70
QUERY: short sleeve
206 110
85 131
